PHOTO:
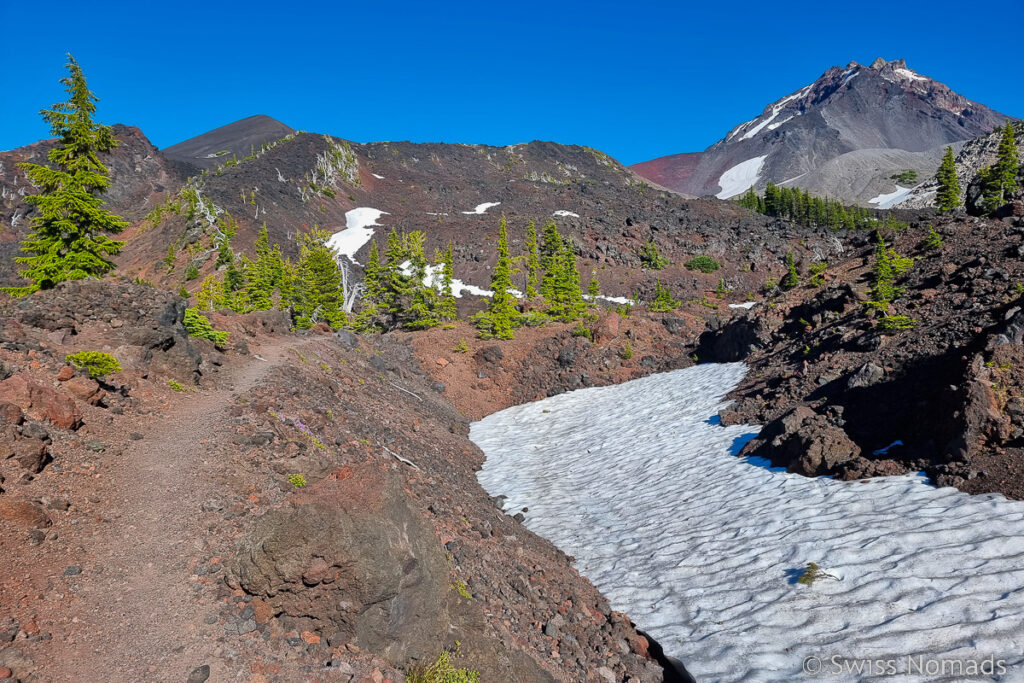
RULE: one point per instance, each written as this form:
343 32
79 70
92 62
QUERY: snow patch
702 549
907 73
357 232
481 208
746 304
563 212
378 177
776 108
775 125
891 199
740 177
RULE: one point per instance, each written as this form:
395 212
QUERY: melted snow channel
702 549
357 232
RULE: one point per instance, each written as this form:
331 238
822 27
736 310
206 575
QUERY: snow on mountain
481 208
740 177
891 199
702 549
358 231
887 117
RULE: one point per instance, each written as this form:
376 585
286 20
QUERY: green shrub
297 480
905 177
627 351
813 573
461 347
175 385
933 240
663 300
462 589
198 326
817 271
651 258
703 263
97 363
895 323
441 671
192 272
581 330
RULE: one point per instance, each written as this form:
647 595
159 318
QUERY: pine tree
792 278
446 307
651 258
371 274
1004 173
532 260
422 310
594 287
318 295
263 276
500 317
68 241
550 249
947 198
663 300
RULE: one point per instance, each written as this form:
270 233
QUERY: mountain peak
237 138
842 136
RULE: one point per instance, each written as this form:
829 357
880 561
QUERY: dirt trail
137 615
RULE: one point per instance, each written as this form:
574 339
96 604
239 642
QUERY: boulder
85 389
804 442
352 559
24 514
865 376
40 403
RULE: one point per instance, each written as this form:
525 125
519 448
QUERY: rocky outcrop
40 403
804 442
353 559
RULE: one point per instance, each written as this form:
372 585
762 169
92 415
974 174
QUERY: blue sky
637 80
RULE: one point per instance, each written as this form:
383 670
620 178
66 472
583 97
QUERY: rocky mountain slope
842 136
971 158
451 192
841 394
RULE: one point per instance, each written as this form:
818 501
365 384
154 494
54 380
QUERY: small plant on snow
814 573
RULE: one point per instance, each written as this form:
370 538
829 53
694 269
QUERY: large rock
352 556
40 403
23 513
804 442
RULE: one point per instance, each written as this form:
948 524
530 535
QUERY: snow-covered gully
703 549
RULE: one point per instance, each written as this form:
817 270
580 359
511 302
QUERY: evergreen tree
263 276
288 286
567 300
594 287
532 260
500 317
422 309
792 278
888 266
1004 172
651 258
446 307
550 250
68 240
663 300
947 198
371 274
318 293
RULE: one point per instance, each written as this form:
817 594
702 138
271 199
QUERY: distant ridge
236 139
